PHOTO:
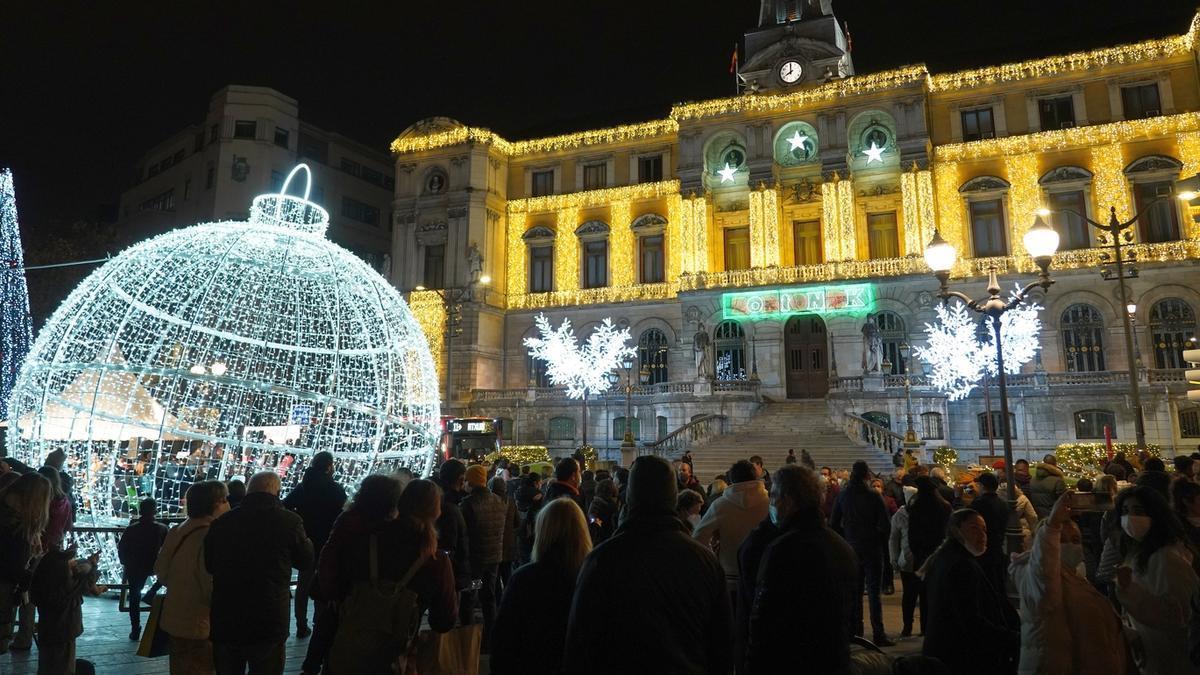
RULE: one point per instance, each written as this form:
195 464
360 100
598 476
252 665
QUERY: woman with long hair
60 511
537 601
24 512
1156 582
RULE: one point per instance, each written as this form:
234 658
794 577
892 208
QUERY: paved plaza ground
105 642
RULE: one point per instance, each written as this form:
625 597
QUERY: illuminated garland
673 237
1085 457
1024 198
845 199
621 245
16 327
566 250
592 198
618 134
1188 145
950 221
1110 186
430 312
520 455
594 296
693 224
1074 137
947 457
764 227
518 279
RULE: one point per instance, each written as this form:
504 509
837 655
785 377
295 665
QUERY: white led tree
582 369
958 359
222 349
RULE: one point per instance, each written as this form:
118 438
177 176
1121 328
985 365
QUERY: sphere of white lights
223 349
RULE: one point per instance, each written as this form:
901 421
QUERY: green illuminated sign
766 304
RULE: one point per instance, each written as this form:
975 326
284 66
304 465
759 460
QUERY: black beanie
652 488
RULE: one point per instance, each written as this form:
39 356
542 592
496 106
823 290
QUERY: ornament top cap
289 211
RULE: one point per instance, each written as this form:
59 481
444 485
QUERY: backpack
376 621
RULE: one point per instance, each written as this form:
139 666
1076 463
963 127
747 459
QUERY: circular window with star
796 143
875 141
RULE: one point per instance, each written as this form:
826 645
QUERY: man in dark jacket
651 593
806 551
1046 486
529 502
318 500
861 517
452 529
250 553
995 514
566 482
484 515
587 489
750 556
137 550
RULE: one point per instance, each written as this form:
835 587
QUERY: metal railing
875 435
693 433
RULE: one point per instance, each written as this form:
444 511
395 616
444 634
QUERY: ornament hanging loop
288 181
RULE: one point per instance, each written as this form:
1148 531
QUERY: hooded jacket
180 567
484 514
1045 488
1066 626
732 516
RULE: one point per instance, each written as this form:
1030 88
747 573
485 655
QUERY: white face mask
1136 526
1071 556
694 520
973 551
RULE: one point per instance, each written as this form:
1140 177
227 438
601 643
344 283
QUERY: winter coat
57 591
512 523
730 518
926 527
587 490
452 537
807 566
558 489
318 500
56 528
602 520
1158 603
995 515
139 546
750 556
15 550
250 553
965 609
653 593
1066 626
898 548
180 567
534 611
484 514
1045 488
862 519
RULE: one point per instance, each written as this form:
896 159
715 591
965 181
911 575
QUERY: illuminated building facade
782 220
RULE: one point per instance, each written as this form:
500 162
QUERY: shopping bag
453 653
154 639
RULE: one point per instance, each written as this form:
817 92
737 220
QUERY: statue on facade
700 350
474 262
872 347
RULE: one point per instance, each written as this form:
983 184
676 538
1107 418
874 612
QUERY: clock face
790 71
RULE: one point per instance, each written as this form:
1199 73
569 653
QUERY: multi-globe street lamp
1041 242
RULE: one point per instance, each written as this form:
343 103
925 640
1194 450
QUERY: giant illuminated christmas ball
219 350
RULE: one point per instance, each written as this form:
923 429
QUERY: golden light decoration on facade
1024 197
592 198
830 220
1066 139
621 244
764 227
566 250
1110 187
516 282
845 198
1189 153
430 312
926 205
617 134
594 296
949 206
674 237
693 225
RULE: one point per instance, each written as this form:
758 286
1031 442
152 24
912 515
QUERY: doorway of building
807 350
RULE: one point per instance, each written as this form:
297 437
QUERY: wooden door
807 356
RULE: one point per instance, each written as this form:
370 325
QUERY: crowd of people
640 569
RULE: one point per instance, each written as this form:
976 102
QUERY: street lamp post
1041 242
910 433
452 299
628 446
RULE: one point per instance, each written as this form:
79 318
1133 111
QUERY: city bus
470 438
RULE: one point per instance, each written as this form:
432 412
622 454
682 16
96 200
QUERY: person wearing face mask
1066 625
1156 583
808 565
964 606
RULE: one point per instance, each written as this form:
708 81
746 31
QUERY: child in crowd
57 590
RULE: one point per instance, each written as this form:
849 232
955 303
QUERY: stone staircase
781 425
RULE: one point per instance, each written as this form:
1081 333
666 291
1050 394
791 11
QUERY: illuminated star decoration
582 369
727 173
874 153
797 141
958 359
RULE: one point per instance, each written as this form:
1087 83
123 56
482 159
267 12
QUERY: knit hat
652 488
476 475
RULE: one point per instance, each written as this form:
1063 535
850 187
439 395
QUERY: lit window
737 248
652 258
987 228
882 238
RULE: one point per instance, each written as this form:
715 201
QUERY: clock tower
797 42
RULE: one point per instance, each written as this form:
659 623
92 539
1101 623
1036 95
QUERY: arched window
1172 326
931 426
593 237
891 332
985 209
536 368
562 429
997 429
1083 338
1091 423
1189 423
618 428
729 347
652 354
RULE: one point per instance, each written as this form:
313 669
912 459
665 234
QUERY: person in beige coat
1066 625
180 567
741 507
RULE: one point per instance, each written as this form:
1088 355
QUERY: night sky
87 87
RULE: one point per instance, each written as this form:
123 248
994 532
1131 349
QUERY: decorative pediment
592 227
648 220
1064 174
984 184
1154 163
539 232
432 226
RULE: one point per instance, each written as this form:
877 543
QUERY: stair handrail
873 434
678 441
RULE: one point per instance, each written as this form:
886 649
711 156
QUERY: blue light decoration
216 351
16 327
853 299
